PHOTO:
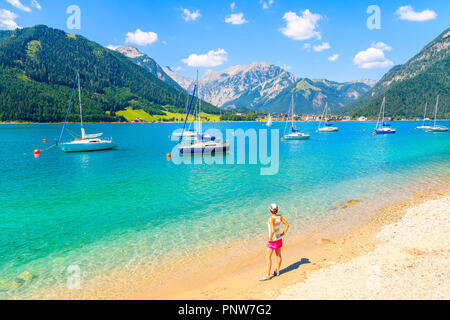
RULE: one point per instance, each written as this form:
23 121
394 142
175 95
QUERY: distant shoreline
167 122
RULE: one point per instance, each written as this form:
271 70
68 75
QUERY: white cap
273 207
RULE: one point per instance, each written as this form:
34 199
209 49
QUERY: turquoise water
130 207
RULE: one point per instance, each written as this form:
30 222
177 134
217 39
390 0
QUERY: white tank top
277 229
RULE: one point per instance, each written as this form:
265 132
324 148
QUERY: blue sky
314 39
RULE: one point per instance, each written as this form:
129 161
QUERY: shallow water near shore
123 209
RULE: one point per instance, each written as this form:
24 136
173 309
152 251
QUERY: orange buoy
282 139
373 133
170 137
45 140
169 156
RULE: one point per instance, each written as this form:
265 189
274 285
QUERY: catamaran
382 127
294 133
200 143
328 127
423 126
435 128
87 142
269 121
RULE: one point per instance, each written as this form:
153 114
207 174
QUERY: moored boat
382 127
327 127
87 142
294 134
436 128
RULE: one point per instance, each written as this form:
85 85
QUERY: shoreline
227 272
172 122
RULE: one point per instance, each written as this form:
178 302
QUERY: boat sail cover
89 136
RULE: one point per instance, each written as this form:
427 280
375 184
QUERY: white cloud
334 57
36 4
191 16
373 57
233 6
19 5
7 20
211 59
266 4
382 46
303 27
322 47
236 18
408 13
141 38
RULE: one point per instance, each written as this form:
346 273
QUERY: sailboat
200 143
327 126
294 133
435 128
423 126
382 127
87 142
269 121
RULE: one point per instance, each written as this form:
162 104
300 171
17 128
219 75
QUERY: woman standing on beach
275 241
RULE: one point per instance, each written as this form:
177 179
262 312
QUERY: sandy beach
411 261
400 252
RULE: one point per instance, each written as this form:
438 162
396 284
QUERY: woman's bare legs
269 261
280 260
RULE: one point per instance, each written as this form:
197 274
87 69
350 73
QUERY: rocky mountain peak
130 51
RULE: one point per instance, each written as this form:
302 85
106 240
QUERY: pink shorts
275 245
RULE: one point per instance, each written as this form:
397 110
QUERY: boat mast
435 112
292 102
199 123
425 114
81 109
381 113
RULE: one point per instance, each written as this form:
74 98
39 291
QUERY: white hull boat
297 136
385 131
87 145
294 133
201 147
195 142
327 127
87 142
436 128
382 127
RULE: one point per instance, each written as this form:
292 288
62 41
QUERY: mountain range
38 66
260 87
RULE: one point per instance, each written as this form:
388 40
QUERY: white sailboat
327 127
382 127
199 143
423 126
87 142
269 121
435 128
294 134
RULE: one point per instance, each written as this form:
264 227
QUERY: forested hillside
38 67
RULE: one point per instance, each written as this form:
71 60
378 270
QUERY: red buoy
45 140
169 156
37 152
